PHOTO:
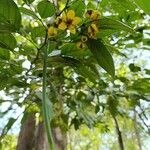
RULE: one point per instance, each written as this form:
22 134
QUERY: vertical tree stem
120 140
45 111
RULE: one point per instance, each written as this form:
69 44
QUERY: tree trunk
26 135
59 138
31 137
41 142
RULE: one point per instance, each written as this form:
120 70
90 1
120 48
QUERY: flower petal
70 14
73 31
76 20
83 38
89 29
94 27
64 17
88 13
52 31
62 26
95 15
80 45
58 20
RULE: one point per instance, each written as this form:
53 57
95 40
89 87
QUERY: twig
66 6
143 112
140 116
36 15
120 140
136 131
37 56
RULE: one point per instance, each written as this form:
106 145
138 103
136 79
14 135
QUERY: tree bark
59 138
26 135
41 142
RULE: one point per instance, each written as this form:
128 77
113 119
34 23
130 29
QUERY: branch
136 131
143 112
140 116
29 5
66 6
120 140
37 56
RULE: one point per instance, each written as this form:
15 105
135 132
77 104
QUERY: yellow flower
93 14
52 32
92 31
81 45
68 21
84 38
88 13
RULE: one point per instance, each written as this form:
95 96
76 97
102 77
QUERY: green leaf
147 71
4 74
38 32
82 69
9 14
127 4
106 32
4 54
49 108
7 41
76 122
112 105
144 4
107 23
91 5
78 7
134 68
28 1
142 86
115 50
72 50
7 127
28 12
6 28
102 55
46 9
86 72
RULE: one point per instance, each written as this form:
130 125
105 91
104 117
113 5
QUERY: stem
120 140
45 110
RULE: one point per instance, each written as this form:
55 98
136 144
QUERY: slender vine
44 105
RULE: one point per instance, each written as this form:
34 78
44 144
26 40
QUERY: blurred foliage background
92 109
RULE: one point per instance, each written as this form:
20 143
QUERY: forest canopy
75 74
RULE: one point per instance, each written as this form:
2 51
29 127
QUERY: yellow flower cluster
68 21
52 31
81 44
92 31
94 16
